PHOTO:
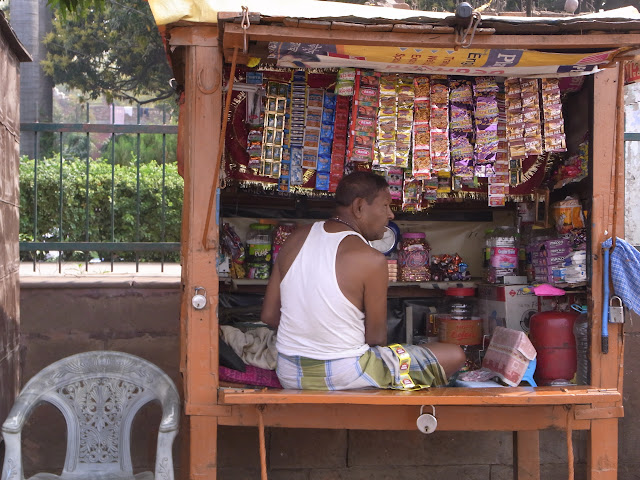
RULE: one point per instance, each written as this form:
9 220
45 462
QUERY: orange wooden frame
524 412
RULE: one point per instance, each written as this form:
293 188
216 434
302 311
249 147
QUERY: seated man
327 296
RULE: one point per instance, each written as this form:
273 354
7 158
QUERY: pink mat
252 376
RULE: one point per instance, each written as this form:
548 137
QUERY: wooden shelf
396 289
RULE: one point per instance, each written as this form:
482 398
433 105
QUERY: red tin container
551 333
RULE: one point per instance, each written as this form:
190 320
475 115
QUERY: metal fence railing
100 192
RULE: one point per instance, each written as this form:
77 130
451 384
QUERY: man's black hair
360 184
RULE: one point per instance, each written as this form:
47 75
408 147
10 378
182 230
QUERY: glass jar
413 258
259 251
460 323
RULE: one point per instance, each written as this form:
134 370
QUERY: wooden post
202 119
526 455
605 368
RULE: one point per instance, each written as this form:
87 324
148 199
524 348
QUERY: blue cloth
625 272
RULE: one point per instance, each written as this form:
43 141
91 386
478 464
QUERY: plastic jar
460 323
413 258
259 251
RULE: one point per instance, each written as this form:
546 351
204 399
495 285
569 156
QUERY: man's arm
271 305
376 283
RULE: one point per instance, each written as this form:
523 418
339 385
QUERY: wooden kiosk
199 45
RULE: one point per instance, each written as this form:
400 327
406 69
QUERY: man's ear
357 207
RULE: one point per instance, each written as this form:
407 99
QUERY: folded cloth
252 376
625 272
256 347
379 367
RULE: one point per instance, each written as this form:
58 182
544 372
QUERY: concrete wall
65 317
9 206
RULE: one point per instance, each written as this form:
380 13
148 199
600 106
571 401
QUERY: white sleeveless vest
316 319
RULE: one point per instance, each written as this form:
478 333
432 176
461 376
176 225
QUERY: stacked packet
362 132
461 128
554 136
421 129
323 170
439 124
387 122
405 92
297 127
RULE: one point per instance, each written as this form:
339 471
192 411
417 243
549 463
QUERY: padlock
427 422
616 313
199 300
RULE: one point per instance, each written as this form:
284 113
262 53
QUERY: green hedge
74 185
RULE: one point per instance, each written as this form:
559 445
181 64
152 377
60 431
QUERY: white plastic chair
99 394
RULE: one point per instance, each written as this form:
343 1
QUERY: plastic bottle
259 251
582 332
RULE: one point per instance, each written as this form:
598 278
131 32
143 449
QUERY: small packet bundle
364 117
422 165
461 128
411 194
394 176
273 132
486 112
339 147
515 122
313 121
387 122
297 118
345 82
254 148
326 141
430 189
439 123
554 136
405 95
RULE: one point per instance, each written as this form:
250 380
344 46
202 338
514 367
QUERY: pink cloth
252 376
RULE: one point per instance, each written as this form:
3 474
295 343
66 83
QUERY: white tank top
316 319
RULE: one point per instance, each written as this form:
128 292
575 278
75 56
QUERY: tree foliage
108 48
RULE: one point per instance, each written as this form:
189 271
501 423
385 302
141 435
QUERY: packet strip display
428 134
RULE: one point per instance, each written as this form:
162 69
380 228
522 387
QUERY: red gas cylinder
551 333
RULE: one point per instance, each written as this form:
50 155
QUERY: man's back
316 319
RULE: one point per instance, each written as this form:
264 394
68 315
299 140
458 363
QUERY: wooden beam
377 417
512 396
233 36
202 35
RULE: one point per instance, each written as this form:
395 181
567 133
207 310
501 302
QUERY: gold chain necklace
339 220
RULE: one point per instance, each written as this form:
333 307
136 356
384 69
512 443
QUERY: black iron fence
100 192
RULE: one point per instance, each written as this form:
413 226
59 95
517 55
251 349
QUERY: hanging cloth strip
625 272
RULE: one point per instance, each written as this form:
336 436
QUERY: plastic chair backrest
99 394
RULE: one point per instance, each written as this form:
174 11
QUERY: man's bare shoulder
353 245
